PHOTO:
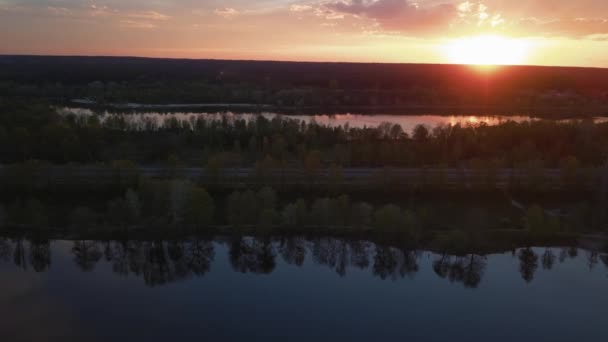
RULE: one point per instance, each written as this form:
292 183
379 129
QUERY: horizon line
298 61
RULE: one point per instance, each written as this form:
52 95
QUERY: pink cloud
468 17
400 15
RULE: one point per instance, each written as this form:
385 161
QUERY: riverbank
453 241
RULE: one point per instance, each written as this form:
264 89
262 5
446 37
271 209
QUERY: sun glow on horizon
487 50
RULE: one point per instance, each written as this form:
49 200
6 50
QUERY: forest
38 132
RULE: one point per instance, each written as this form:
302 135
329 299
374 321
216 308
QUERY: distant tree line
297 84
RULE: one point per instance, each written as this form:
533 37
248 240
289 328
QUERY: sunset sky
543 32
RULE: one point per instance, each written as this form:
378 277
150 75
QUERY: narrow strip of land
550 178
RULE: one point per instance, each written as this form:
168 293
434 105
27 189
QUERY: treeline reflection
162 262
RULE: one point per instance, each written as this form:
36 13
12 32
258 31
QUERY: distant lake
407 122
296 289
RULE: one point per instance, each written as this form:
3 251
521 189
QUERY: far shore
488 242
554 112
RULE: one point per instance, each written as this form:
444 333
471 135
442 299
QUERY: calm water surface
407 122
296 289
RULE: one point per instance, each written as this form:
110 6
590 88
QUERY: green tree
267 198
455 241
267 217
156 195
301 211
320 212
340 210
535 219
134 205
179 198
267 203
390 218
242 208
289 216
200 208
397 133
421 133
361 216
233 209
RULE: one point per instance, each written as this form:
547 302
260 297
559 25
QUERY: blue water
296 290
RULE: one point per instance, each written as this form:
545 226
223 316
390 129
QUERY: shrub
200 208
535 219
289 216
362 215
389 218
320 212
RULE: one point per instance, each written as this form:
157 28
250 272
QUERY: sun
487 50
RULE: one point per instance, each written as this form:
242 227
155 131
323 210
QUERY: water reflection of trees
528 263
252 255
37 256
40 254
159 262
86 254
529 260
341 254
293 250
394 263
162 262
6 249
19 254
548 259
468 269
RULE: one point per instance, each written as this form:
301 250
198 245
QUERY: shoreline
546 112
485 241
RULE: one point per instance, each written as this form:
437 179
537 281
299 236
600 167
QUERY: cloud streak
399 15
108 15
444 18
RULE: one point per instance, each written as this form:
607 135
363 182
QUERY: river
408 122
296 289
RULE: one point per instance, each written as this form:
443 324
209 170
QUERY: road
293 176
